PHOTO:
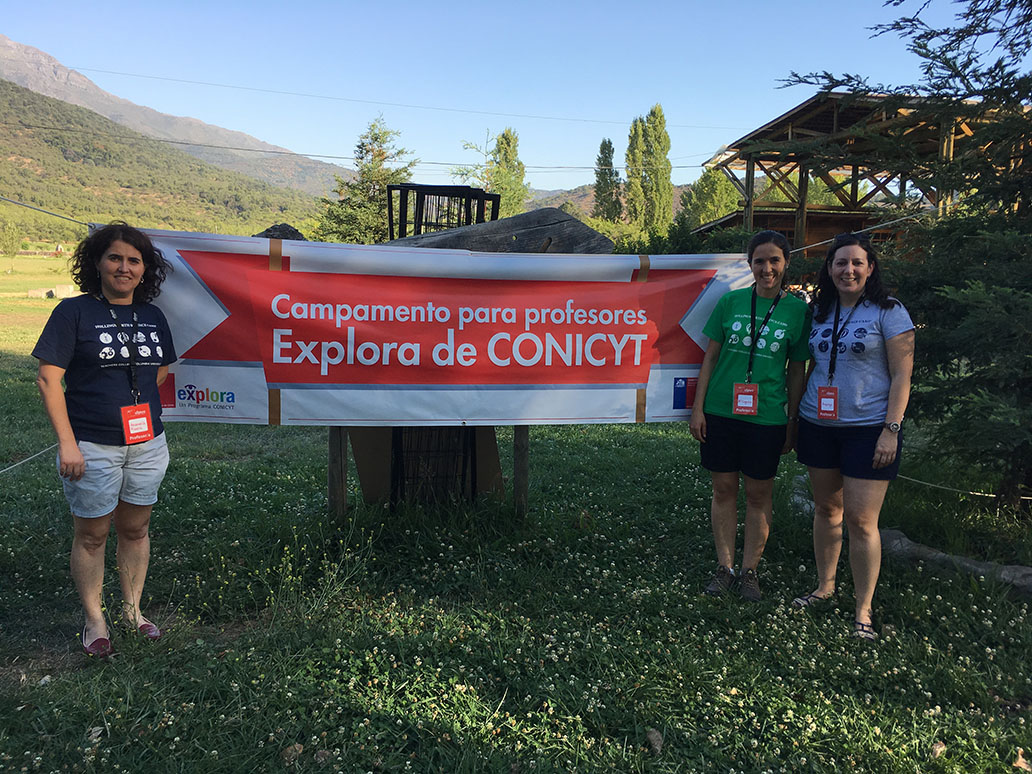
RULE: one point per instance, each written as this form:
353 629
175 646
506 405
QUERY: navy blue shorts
735 445
850 448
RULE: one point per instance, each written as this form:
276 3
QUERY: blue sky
565 74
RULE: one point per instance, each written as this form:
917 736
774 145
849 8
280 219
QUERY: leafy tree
359 214
572 209
656 168
10 239
626 237
634 192
502 172
607 185
505 172
710 197
967 283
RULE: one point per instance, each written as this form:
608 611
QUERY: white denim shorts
128 473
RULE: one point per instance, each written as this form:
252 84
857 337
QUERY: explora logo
193 394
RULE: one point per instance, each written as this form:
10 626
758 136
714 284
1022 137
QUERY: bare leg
132 524
827 526
724 516
759 505
87 565
863 500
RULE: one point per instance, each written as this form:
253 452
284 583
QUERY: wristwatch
892 427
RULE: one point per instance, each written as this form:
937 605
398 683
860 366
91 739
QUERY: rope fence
901 476
22 462
40 209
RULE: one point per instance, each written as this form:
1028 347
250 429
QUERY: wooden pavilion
834 137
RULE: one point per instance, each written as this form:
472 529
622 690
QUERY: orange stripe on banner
275 254
274 405
639 409
643 272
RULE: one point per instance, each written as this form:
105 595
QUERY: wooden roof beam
836 188
735 181
781 179
880 186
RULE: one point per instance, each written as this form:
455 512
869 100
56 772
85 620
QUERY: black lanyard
134 386
836 334
756 331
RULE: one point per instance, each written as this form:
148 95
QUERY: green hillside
80 164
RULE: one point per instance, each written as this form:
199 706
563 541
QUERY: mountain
73 162
583 197
39 72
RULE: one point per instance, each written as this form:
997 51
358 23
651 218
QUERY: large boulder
548 230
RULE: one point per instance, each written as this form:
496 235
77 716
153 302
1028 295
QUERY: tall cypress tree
607 185
657 188
634 194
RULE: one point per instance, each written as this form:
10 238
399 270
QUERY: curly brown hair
89 251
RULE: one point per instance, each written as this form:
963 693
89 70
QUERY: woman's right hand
72 465
697 425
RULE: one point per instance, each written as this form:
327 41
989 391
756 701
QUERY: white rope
12 467
45 212
951 489
869 228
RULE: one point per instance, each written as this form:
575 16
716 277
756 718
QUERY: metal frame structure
438 207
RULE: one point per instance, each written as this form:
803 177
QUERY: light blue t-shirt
862 365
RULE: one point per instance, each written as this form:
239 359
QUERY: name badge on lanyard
827 402
136 423
827 397
746 399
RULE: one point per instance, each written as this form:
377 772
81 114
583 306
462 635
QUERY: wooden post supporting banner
275 255
520 468
274 406
337 474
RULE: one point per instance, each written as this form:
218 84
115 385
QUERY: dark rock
282 231
547 230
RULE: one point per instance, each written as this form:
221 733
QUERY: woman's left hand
885 449
791 431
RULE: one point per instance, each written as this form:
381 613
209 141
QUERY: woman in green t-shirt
754 368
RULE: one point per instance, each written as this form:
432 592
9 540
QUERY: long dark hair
775 238
89 251
827 293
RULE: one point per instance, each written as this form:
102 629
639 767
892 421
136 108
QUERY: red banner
312 324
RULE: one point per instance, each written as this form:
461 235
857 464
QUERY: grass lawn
460 640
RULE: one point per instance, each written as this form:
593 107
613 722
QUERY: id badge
746 399
827 402
136 423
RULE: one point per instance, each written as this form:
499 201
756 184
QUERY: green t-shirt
783 339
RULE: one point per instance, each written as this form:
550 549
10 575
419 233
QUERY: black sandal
812 600
864 631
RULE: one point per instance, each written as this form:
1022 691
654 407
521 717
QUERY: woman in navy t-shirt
112 348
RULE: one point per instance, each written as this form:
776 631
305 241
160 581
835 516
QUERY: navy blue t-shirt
81 338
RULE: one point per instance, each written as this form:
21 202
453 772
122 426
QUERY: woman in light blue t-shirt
862 342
